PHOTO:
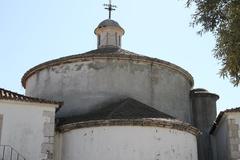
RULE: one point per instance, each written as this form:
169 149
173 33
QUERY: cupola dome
109 34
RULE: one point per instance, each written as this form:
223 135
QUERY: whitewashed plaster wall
128 143
233 120
28 128
227 137
220 141
110 37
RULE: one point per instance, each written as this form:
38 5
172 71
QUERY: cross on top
110 8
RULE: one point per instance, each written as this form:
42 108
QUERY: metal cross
110 8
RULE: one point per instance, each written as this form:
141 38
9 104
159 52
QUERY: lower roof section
125 112
127 108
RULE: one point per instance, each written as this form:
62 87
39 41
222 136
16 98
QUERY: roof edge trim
146 122
13 96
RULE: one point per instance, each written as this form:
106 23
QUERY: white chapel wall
28 128
226 137
220 141
128 143
233 120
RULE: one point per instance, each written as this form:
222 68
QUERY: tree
222 18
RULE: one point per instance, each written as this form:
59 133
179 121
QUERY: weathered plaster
221 141
128 143
102 81
234 135
23 127
226 137
204 114
48 133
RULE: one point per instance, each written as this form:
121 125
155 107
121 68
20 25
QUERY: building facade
116 105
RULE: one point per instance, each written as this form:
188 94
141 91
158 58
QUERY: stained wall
128 143
28 128
88 85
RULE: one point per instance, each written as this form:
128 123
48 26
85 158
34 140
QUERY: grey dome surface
102 52
86 81
109 22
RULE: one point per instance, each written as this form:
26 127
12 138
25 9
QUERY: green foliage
222 18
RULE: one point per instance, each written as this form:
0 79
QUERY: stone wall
48 133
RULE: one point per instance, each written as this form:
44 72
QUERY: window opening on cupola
99 40
116 39
1 122
107 37
119 37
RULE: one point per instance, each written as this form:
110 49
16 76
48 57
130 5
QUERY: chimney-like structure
204 114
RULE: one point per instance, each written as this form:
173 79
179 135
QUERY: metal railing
9 153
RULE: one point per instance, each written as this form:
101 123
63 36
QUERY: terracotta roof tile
9 95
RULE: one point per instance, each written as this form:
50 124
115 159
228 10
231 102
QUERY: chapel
111 103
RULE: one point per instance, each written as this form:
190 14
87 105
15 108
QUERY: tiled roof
219 117
123 109
9 95
109 53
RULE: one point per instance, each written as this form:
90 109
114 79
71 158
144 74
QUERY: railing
9 153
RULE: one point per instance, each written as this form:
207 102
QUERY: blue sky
34 31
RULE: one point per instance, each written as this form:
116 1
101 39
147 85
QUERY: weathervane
110 8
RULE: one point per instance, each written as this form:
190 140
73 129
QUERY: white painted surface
221 141
226 137
109 36
128 143
22 127
233 121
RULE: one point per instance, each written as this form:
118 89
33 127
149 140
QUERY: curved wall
128 143
91 84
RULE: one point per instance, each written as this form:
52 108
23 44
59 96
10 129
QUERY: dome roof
108 22
104 53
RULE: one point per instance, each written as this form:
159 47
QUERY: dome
88 81
109 33
108 22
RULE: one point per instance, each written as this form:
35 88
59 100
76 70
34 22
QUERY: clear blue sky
34 31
